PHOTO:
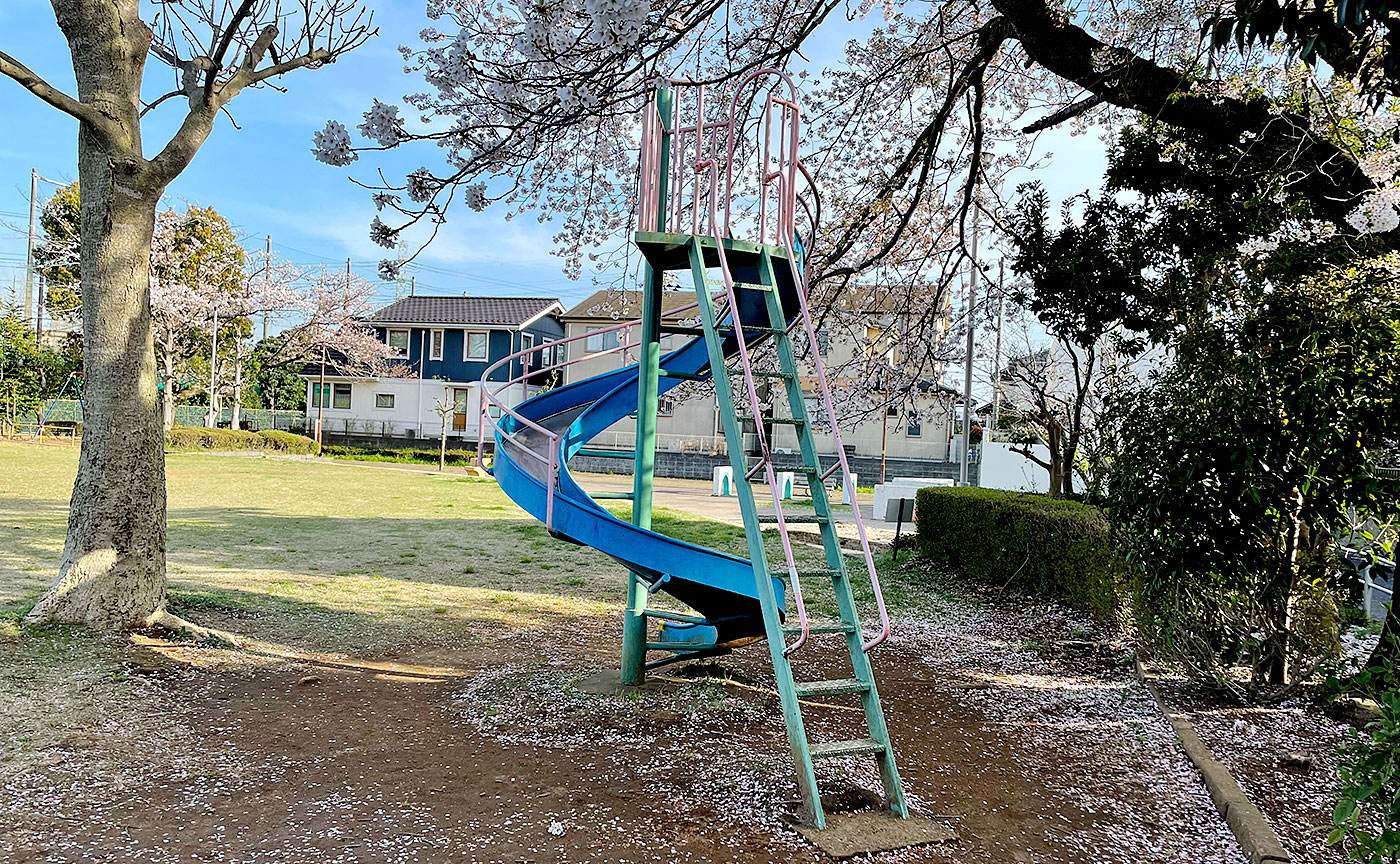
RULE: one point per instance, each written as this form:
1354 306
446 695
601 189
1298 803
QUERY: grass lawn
335 556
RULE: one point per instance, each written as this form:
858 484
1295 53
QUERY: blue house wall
453 366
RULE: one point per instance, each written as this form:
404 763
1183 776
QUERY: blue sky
263 178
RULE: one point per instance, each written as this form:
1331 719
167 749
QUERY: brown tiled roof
600 306
491 311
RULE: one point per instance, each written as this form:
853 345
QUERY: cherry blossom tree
534 106
112 569
323 313
196 285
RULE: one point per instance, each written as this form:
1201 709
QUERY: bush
199 438
1056 548
286 442
398 454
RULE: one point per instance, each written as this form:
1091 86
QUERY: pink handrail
752 391
848 481
783 180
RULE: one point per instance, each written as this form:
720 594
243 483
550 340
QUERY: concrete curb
1251 828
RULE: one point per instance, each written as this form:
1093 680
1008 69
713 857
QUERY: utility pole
996 363
39 308
29 259
967 364
267 278
413 286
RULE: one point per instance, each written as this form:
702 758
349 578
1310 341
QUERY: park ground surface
404 689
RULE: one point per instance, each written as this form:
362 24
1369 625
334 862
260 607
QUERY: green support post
634 622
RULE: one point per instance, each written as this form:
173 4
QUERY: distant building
447 343
689 421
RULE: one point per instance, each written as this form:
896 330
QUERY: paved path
693 496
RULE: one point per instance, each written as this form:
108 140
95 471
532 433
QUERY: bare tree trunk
167 396
112 571
237 383
1057 464
442 445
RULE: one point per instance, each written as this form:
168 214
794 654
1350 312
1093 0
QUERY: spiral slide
718 586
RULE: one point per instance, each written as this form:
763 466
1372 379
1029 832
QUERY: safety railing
492 398
779 171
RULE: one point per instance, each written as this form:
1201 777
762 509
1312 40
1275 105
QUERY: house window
665 406
437 346
915 428
823 342
339 395
891 411
600 341
531 360
475 348
385 400
398 341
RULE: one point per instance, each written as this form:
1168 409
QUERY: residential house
688 421
682 423
444 345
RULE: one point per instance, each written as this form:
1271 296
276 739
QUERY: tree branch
30 81
1331 176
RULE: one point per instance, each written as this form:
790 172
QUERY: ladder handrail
750 386
799 274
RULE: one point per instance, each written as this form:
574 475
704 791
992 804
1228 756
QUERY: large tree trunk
112 572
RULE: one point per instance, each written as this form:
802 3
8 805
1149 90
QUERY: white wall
1002 469
414 401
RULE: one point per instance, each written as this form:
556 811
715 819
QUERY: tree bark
167 395
112 571
237 420
1387 650
1057 464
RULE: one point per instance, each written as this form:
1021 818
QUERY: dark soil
421 761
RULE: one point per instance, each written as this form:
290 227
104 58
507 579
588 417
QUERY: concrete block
723 476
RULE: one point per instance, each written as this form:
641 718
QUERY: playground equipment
694 192
73 380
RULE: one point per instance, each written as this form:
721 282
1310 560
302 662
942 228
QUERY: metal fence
69 411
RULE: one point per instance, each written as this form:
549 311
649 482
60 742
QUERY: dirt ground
1286 757
405 687
1031 742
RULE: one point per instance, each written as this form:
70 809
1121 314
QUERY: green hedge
1056 548
199 438
455 456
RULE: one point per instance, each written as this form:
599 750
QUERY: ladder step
833 687
773 373
681 330
786 421
820 629
685 376
818 520
750 330
804 574
833 749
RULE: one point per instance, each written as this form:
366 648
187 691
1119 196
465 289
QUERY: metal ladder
876 741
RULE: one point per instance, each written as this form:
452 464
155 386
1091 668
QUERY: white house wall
691 425
413 412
